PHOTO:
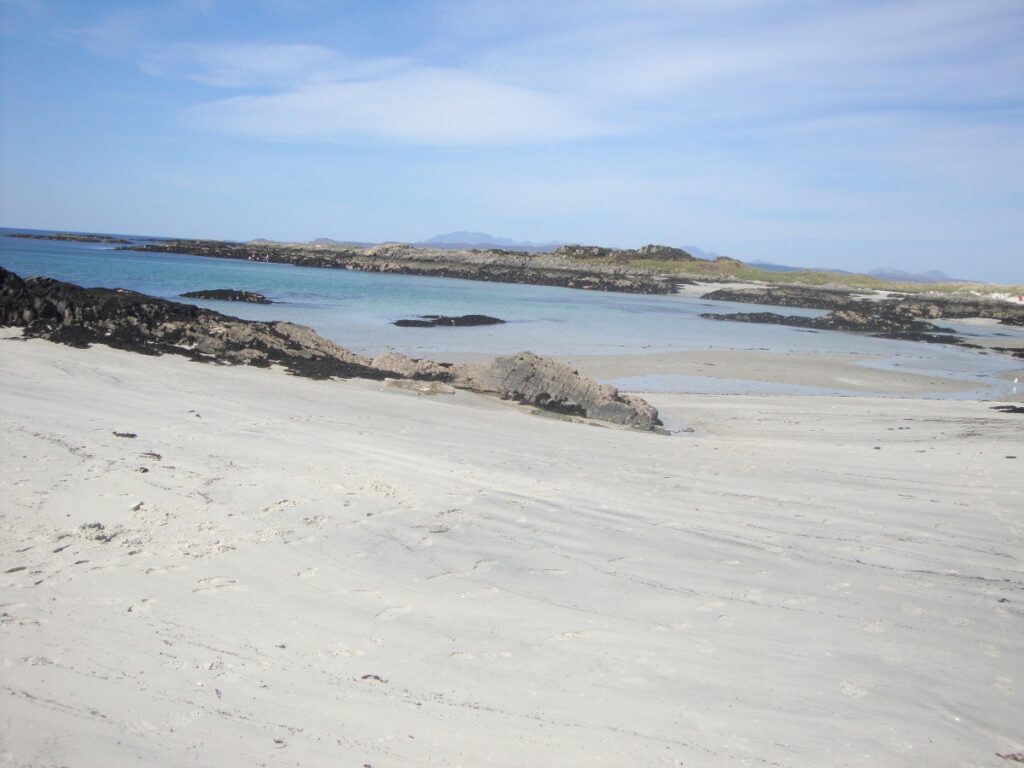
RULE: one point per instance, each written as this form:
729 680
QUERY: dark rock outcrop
433 321
876 319
228 294
927 307
952 307
527 378
785 296
76 316
71 238
69 314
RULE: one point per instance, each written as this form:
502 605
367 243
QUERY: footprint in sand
801 600
990 650
393 612
891 657
142 606
279 506
569 636
853 689
874 627
214 582
482 592
346 652
37 661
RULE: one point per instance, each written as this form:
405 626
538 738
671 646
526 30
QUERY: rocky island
71 237
582 267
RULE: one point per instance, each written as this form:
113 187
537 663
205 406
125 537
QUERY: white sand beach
277 571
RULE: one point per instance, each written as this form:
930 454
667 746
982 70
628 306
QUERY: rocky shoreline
70 237
882 323
928 307
69 314
556 269
905 317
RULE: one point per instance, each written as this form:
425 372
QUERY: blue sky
843 134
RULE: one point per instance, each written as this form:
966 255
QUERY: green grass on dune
729 268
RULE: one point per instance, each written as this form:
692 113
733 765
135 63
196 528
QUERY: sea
357 310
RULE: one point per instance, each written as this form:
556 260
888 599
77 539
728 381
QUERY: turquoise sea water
356 310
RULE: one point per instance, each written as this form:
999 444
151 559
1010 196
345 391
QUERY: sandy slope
340 574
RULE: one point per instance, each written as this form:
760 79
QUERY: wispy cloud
577 70
262 66
421 105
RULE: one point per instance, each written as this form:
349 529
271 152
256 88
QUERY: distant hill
767 265
898 275
463 239
700 253
345 243
882 273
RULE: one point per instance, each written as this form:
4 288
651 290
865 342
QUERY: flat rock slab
435 321
228 294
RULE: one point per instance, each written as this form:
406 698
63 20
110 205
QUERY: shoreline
250 566
851 373
696 371
497 266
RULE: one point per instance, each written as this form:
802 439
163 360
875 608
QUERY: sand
846 372
277 571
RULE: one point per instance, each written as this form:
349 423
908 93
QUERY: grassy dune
724 268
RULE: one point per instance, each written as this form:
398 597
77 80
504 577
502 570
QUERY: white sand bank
838 371
336 573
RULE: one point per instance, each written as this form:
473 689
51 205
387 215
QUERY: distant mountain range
931 276
463 239
882 273
767 265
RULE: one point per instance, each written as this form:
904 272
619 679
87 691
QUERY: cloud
534 72
423 105
260 66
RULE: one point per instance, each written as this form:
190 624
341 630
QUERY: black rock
228 294
786 296
433 321
80 317
877 319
